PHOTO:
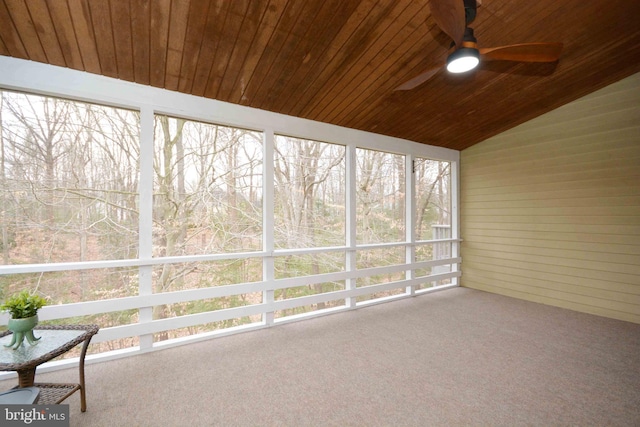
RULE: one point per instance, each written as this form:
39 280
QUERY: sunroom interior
242 186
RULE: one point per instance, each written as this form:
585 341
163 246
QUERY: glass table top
50 341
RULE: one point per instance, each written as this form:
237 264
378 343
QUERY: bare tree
42 144
432 195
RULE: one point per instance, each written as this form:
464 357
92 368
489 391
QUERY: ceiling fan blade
449 15
525 52
418 80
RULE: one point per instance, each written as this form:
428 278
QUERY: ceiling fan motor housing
467 56
470 8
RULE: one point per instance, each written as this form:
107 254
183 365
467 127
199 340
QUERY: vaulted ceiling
337 61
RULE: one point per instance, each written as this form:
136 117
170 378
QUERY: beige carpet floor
453 358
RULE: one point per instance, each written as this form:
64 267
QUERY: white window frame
32 77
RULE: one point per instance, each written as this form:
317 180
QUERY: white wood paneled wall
550 210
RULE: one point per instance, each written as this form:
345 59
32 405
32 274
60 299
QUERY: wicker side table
56 340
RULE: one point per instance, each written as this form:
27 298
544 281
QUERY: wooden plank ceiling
337 61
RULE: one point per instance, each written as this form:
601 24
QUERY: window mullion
410 220
146 217
268 268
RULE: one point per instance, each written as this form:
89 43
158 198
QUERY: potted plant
23 308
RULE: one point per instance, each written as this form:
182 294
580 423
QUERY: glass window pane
63 287
309 264
68 180
182 276
171 277
205 327
433 199
207 188
379 257
309 193
303 309
380 193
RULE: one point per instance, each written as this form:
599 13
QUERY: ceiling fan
453 18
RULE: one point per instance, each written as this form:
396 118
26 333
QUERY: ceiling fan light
463 60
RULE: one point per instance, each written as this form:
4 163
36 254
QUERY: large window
161 226
207 193
381 197
69 192
207 199
69 180
433 198
310 193
433 218
309 212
